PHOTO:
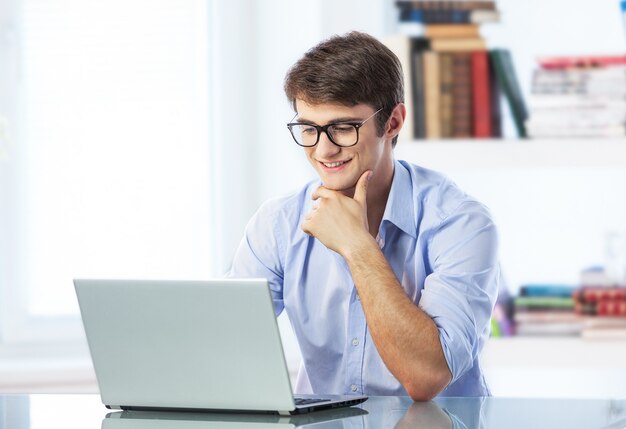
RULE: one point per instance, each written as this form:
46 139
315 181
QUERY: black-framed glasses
343 134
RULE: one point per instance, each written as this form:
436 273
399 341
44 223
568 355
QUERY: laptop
190 346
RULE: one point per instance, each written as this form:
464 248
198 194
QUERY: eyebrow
333 121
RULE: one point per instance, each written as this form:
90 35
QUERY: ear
395 121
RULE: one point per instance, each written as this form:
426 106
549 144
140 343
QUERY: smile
334 164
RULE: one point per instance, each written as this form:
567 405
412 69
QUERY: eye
307 130
342 128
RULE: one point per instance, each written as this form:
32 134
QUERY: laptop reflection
326 419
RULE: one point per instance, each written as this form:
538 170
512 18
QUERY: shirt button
354 388
355 342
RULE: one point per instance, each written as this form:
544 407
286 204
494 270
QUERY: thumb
360 191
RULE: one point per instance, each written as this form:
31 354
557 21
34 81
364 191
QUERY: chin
340 187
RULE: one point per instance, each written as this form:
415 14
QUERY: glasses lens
304 135
343 134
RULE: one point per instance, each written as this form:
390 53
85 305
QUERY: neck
377 196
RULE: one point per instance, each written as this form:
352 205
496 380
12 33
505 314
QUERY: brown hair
351 69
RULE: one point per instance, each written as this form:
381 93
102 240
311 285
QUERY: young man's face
339 168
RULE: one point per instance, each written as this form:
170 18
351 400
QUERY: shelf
507 154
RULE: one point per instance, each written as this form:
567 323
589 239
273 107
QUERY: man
388 271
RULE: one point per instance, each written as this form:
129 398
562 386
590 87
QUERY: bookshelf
543 366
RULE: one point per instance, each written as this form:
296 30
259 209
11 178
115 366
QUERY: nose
326 148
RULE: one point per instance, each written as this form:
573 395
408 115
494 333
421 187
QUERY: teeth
333 164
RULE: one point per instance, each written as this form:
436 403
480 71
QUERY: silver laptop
190 345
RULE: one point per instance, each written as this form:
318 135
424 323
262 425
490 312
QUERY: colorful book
543 302
508 83
481 97
454 17
582 61
557 290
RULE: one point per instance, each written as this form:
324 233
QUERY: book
600 301
555 290
446 5
582 61
400 45
543 302
461 95
495 109
445 94
547 316
454 17
458 44
508 83
548 329
594 294
481 97
550 131
418 46
431 95
607 82
444 31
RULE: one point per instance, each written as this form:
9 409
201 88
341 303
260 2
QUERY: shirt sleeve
258 254
462 289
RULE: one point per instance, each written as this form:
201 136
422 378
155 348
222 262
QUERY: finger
323 192
360 192
306 228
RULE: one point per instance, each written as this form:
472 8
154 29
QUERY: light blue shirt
440 243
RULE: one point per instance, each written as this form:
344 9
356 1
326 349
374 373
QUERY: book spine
418 45
461 95
446 5
432 95
495 97
481 98
507 80
590 61
456 17
445 80
452 30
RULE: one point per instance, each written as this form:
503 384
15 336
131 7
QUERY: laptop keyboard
306 401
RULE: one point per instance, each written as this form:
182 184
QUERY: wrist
358 248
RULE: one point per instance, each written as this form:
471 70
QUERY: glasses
344 134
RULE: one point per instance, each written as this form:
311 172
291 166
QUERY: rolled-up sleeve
461 291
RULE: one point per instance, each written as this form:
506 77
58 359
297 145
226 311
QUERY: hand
338 221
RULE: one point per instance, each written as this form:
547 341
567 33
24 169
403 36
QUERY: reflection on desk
87 412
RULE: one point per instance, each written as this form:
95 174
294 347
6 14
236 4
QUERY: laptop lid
189 345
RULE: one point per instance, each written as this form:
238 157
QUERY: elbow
428 387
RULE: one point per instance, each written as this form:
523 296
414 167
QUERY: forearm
406 338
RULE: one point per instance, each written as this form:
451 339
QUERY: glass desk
87 412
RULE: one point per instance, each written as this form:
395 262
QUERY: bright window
107 172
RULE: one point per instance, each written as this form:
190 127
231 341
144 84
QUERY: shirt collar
400 209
